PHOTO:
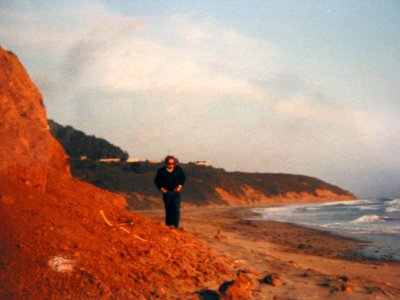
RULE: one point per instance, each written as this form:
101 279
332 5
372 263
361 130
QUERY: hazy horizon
301 87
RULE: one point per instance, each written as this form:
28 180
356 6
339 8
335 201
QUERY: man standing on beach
169 180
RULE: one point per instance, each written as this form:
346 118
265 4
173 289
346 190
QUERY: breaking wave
368 219
393 206
373 220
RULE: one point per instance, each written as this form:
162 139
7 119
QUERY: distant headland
109 167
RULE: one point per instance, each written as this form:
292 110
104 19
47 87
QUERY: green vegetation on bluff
76 143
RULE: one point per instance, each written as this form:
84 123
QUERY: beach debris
273 279
346 285
120 225
124 229
344 278
139 238
341 283
61 264
105 219
237 289
221 236
349 288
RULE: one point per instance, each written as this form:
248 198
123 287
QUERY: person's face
170 164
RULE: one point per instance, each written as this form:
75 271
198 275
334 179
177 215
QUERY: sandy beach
309 264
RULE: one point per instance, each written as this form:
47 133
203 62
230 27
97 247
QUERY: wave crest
368 219
393 206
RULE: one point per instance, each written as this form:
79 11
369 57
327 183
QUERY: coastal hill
206 185
61 238
76 143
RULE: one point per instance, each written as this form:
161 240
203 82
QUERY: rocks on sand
237 289
273 279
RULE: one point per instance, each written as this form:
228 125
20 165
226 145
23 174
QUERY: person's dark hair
170 157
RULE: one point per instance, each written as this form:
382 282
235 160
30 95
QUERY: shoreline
309 261
258 227
372 248
350 250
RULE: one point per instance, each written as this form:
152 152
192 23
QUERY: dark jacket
169 180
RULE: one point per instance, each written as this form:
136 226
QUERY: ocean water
376 221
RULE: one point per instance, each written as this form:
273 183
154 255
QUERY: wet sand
311 264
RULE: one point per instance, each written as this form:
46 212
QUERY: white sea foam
311 208
347 202
390 230
369 207
368 219
278 208
373 220
393 206
393 202
392 209
269 210
335 203
332 225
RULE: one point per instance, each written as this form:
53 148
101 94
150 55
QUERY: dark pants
172 203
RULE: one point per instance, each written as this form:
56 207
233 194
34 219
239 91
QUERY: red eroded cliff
28 151
61 238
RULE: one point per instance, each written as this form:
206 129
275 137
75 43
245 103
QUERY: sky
300 87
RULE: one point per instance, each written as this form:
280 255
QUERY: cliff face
28 151
65 239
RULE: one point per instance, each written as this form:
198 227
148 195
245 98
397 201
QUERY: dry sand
310 264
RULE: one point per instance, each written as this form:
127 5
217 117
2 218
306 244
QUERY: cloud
299 107
168 56
167 60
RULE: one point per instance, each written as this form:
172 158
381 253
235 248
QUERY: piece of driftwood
105 219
